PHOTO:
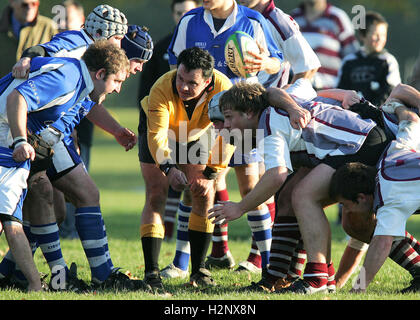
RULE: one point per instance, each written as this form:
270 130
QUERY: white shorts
13 185
401 199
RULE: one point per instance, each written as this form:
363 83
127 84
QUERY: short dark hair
372 18
196 58
244 97
351 179
174 2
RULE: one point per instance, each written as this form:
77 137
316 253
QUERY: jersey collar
230 21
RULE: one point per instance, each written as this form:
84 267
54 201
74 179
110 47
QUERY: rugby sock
106 247
151 238
413 242
171 208
30 236
200 231
316 274
331 277
254 254
286 236
298 261
404 254
91 233
220 234
49 242
7 265
260 223
182 253
272 208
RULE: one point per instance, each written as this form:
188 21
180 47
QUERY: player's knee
41 189
156 196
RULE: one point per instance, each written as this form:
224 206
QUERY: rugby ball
237 47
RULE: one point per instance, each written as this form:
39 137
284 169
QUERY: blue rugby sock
48 240
260 223
182 254
91 232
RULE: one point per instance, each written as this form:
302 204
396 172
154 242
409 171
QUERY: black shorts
194 152
369 154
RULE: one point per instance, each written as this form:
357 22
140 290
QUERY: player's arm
408 95
279 98
99 116
266 187
378 251
347 97
350 260
21 68
17 108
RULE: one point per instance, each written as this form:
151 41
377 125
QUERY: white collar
230 21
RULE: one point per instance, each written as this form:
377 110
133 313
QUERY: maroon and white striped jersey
297 53
332 37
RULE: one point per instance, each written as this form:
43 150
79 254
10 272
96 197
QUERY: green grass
118 177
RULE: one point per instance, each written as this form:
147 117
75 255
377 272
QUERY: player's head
217 4
108 66
25 11
249 3
106 22
353 185
75 15
180 7
194 73
138 45
243 102
374 35
215 115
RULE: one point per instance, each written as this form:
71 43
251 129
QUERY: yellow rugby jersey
166 112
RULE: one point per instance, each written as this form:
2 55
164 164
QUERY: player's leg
220 256
171 208
179 266
22 254
308 201
152 225
81 190
43 225
259 219
200 229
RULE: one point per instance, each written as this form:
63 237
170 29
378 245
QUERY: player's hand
257 62
177 179
126 138
201 186
21 69
23 152
350 98
299 117
225 211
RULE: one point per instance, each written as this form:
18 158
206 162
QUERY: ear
100 74
361 198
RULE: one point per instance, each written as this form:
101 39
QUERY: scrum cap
105 21
214 109
137 43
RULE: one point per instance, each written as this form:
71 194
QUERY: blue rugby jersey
53 88
71 44
196 29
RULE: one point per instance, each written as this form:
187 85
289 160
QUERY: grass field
118 176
